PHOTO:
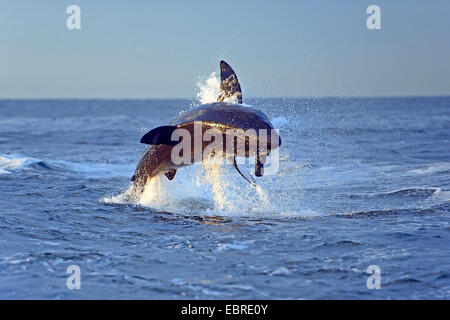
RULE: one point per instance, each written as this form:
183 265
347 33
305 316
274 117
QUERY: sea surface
361 182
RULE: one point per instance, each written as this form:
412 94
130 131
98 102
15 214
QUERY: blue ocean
361 182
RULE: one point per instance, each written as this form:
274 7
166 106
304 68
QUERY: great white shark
226 128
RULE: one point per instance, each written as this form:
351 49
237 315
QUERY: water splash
162 194
208 89
263 196
280 122
213 178
211 188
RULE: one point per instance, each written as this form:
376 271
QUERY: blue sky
146 49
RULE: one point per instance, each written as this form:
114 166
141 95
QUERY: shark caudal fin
229 84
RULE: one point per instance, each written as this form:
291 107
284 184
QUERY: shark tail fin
229 84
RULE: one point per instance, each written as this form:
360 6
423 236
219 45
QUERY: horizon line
268 97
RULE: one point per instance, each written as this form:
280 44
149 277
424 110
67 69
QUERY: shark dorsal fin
229 84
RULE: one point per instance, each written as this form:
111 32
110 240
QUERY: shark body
231 124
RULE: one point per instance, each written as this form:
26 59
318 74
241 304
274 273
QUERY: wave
413 195
11 163
417 192
441 167
438 194
439 208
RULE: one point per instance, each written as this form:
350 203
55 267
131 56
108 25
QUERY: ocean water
361 181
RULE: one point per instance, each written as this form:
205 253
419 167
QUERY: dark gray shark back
225 115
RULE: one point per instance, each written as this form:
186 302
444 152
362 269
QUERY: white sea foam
10 163
438 194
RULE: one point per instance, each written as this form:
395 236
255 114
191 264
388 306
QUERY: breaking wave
12 163
417 192
9 164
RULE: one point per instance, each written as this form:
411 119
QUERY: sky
160 49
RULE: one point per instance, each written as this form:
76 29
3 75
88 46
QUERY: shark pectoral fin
160 135
229 84
244 173
170 174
